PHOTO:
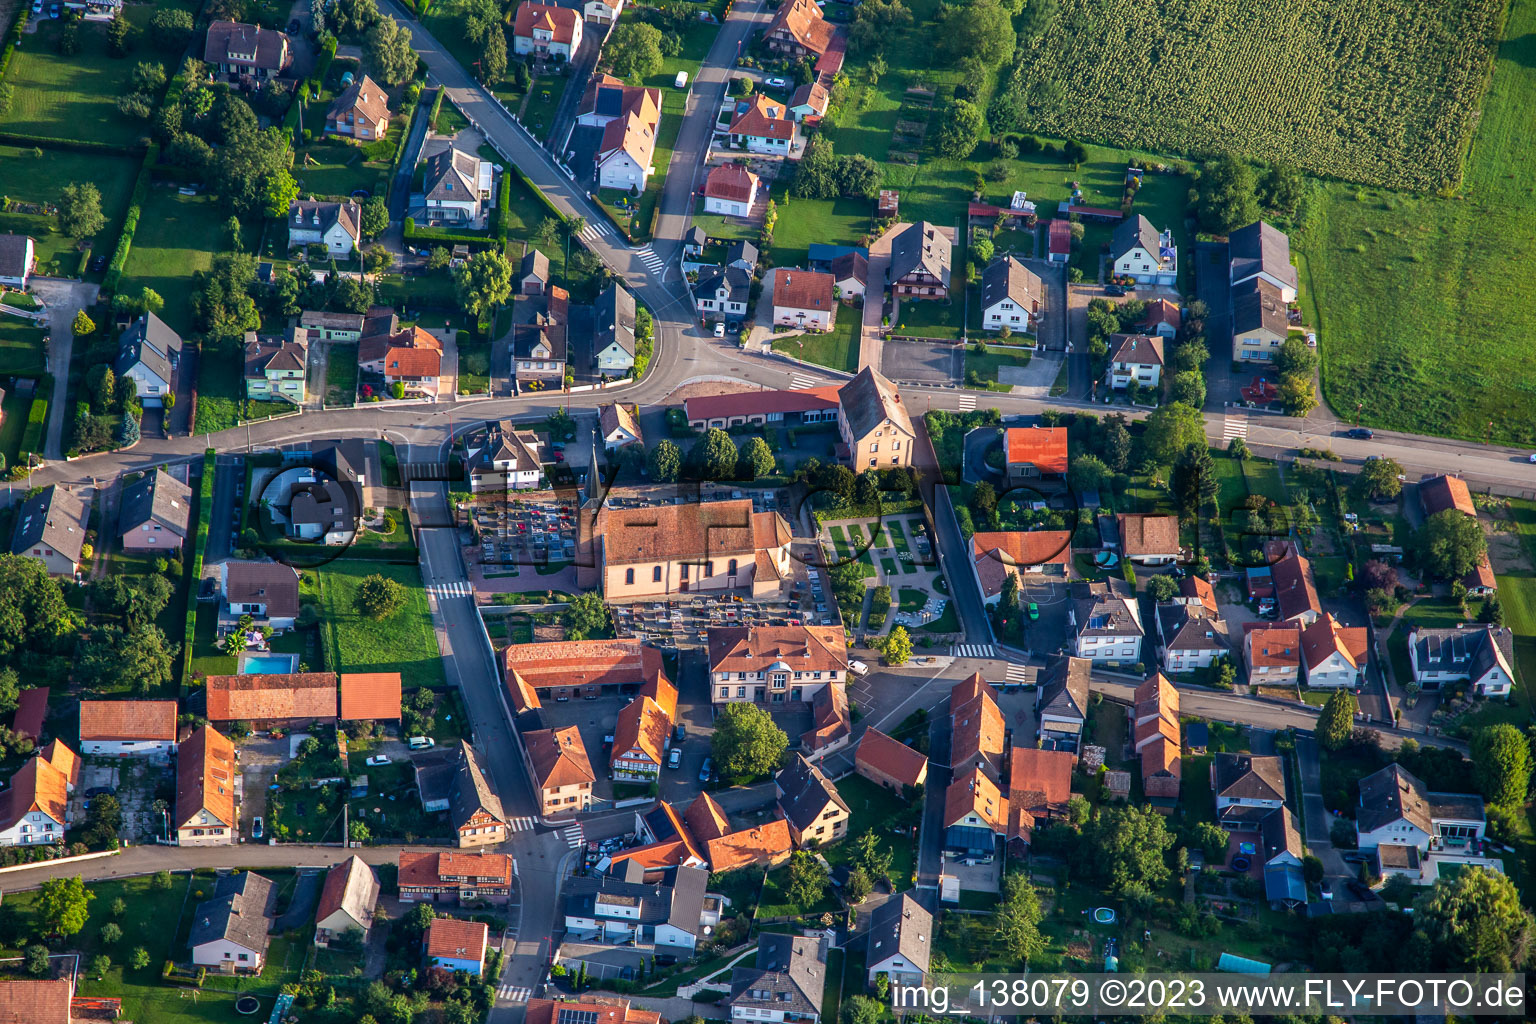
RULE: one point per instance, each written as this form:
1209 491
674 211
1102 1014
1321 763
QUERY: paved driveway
1315 812
64 297
927 362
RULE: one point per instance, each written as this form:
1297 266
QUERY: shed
1241 965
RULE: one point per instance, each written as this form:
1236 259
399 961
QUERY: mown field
1378 92
1421 300
404 642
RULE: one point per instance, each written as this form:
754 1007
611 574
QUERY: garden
403 641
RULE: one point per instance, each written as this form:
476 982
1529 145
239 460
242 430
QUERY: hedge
83 145
13 37
32 438
437 107
405 140
199 538
131 221
470 238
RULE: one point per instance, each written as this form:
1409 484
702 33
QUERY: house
533 273
65 760
1295 592
1061 704
35 805
821 255
18 255
723 291
31 712
662 830
619 426
873 423
444 875
730 190
643 733
613 338
817 815
154 512
603 12
831 721
1154 726
1163 318
500 457
920 262
245 51
1280 851
1059 241
579 669
767 845
457 945
321 510
1262 251
1134 357
347 901
762 125
323 326
1148 539
1260 323
416 369
457 187
798 30
770 665
1035 452
692 548
785 983
561 773
1334 655
1443 493
1481 655
38 1001
669 916
890 763
266 591
808 101
996 556
128 728
294 698
539 340
51 527
585 1008
1272 653
473 807
148 353
275 366
232 930
370 696
742 255
1246 787
336 225
627 148
546 31
361 112
1011 296
205 791
1106 621
1397 810
1039 790
1480 582
1190 633
977 731
850 275
900 941
1136 250
780 408
975 815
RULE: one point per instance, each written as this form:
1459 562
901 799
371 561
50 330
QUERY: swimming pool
266 663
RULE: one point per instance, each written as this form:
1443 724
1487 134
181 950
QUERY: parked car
1533 456
1326 888
37 6
55 11
708 769
679 733
1034 612
776 82
676 759
256 827
293 27
377 759
720 329
1113 289
1360 433
1361 891
95 791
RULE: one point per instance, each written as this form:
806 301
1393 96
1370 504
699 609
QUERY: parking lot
923 362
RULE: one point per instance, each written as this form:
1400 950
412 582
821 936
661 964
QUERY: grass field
338 168
543 100
28 178
403 643
1452 267
1376 92
177 236
13 424
837 348
21 347
341 374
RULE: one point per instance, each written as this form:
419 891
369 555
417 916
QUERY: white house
803 299
614 910
457 187
231 931
1334 655
1396 810
1106 621
1189 636
722 291
128 728
760 124
18 255
50 528
619 426
546 30
34 806
1260 323
613 332
148 353
603 12
1137 250
1261 250
1134 357
504 458
1061 702
347 901
1247 787
337 226
1011 296
730 190
785 985
900 941
266 591
1482 655
625 153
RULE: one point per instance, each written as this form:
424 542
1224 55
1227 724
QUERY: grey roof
921 247
868 401
155 497
807 793
1390 795
696 236
790 974
347 461
852 265
1260 248
435 773
149 341
453 175
274 584
535 265
315 319
1249 777
471 792
677 900
1257 304
615 319
1284 883
1064 687
901 925
322 504
1010 279
239 912
351 886
1143 349
1467 650
712 279
13 254
232 42
1278 833
687 903
320 216
1457 806
55 518
1132 232
501 441
741 251
1105 608
1191 627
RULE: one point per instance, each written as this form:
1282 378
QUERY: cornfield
1384 92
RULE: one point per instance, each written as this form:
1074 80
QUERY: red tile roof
1023 547
764 844
64 759
642 727
1043 447
731 181
608 1010
804 23
205 777
558 757
763 119
560 21
370 695
579 663
36 786
1325 637
1445 492
412 362
1273 646
31 709
127 720
35 1001
427 868
802 289
971 792
261 698
891 758
1145 534
1046 772
761 403
754 648
1060 234
706 819
449 937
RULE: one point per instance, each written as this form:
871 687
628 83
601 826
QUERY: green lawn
404 642
985 364
543 100
718 226
932 318
220 387
341 374
21 347
803 221
837 349
29 178
331 167
13 424
177 236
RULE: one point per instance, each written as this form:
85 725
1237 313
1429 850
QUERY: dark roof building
156 498
240 912
788 977
54 520
922 249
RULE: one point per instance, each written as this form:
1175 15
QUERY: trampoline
1104 915
1240 864
247 1004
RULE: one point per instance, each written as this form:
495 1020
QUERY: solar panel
576 1017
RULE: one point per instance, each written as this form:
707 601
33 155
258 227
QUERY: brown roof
558 757
1047 772
31 710
802 289
1446 492
642 725
370 695
265 697
717 529
607 1010
271 583
891 758
731 181
1325 636
35 1001
560 21
973 791
803 21
576 663
632 134
256 47
706 819
977 726
461 940
364 96
429 868
1248 777
412 362
1136 348
1481 574
1295 593
1273 646
754 648
58 754
1194 586
351 886
1043 447
127 720
1023 547
1144 534
761 844
1162 311
205 776
36 786
869 401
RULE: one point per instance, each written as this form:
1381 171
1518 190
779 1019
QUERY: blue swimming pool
263 663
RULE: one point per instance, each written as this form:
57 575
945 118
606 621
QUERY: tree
375 217
83 325
36 957
633 50
483 282
874 22
10 689
377 259
1162 588
1224 195
439 257
1170 430
79 207
141 657
100 965
33 615
1212 840
1296 356
747 744
898 646
807 881
1475 922
139 958
857 887
715 456
1296 394
961 127
858 176
481 18
1501 764
111 932
1451 544
665 461
378 597
279 192
387 50
148 76
117 35
1018 918
756 460
171 29
1128 845
1117 443
981 29
861 1010
1336 722
1281 187
1311 869
1378 478
816 177
63 906
873 856
587 617
101 383
7 97
1087 473
1492 611
493 57
1194 480
1188 386
352 296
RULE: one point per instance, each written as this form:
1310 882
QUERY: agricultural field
1383 93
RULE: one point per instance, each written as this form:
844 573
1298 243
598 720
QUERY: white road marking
574 836
457 588
967 403
514 993
800 380
1234 425
971 651
1018 673
523 824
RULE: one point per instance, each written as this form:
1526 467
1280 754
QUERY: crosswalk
971 651
523 824
655 264
592 230
800 380
1234 425
574 837
513 993
967 403
1018 673
458 588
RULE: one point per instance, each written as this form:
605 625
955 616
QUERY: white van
681 81
421 742
858 668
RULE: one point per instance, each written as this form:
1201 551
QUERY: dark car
1113 289
98 263
1359 433
1361 891
96 791
293 27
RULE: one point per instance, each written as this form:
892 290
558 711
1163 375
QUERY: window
731 571
683 572
629 577
741 691
709 569
725 691
895 446
656 574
